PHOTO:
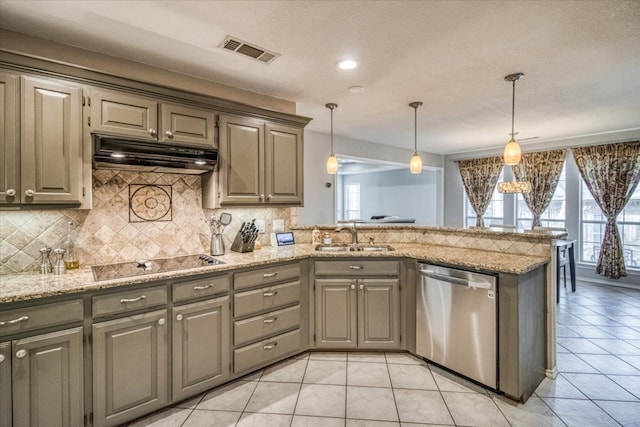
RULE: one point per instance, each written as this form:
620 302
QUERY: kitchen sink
353 248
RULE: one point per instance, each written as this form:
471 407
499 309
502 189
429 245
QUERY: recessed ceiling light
356 89
347 64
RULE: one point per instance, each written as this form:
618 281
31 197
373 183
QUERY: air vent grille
250 50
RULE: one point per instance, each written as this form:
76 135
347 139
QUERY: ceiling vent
240 47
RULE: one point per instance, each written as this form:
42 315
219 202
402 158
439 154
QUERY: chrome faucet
353 230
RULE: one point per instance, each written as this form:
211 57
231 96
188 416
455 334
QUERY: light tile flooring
599 383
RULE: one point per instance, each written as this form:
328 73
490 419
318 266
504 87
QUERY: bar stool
565 255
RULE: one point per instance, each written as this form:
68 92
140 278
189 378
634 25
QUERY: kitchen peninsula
260 308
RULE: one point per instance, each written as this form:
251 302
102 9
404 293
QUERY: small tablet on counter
285 239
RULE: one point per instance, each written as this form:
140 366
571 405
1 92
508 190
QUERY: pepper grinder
60 267
45 265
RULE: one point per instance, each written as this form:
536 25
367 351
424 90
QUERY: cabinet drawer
124 301
266 351
266 298
357 268
264 276
254 328
26 319
200 288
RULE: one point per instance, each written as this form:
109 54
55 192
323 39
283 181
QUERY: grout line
306 365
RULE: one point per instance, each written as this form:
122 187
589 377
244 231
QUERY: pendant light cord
415 129
332 131
513 108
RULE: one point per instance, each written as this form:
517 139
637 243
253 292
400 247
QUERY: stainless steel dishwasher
456 321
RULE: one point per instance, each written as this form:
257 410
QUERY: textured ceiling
581 60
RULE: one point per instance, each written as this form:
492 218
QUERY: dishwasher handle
454 280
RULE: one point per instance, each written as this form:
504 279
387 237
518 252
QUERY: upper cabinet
41 141
144 118
260 163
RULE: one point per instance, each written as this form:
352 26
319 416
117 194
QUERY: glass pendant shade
415 165
512 153
332 165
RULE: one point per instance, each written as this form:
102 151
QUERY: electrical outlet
278 225
260 225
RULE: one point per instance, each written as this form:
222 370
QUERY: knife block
239 246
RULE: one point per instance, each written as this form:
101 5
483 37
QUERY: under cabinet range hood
116 152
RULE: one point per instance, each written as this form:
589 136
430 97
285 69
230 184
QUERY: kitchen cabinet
45 373
267 310
128 115
357 311
43 163
200 346
260 163
130 371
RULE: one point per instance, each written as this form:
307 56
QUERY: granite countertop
29 286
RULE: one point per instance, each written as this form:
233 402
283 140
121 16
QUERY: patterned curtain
611 172
542 170
479 177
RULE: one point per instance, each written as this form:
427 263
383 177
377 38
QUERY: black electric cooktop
151 266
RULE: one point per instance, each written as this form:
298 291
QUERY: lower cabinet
45 373
200 346
130 372
357 313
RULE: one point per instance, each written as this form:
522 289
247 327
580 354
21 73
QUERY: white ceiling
581 60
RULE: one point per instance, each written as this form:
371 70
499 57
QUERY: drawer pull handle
270 294
270 320
21 353
202 288
269 275
14 321
140 298
270 346
356 267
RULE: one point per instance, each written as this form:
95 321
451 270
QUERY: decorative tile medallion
150 202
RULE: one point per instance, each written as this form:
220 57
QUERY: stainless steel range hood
116 152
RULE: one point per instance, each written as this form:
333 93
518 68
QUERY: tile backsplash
105 234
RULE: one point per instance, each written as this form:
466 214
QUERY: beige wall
64 54
105 233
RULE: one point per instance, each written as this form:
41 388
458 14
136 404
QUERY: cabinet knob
261 197
2 358
161 322
361 287
269 196
353 286
29 193
21 353
169 134
153 132
179 317
11 192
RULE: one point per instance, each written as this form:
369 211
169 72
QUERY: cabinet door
124 114
129 367
284 177
200 346
188 125
378 313
48 380
51 142
241 161
9 140
336 315
5 384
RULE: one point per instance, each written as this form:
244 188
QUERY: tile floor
599 383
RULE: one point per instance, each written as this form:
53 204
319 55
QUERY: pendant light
512 153
332 162
415 164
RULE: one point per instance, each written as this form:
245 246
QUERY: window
593 223
553 216
352 201
495 210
